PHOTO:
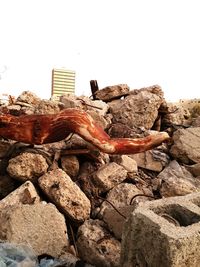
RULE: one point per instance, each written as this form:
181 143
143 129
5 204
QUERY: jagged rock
28 97
27 166
120 196
175 115
65 194
153 160
70 165
25 194
108 176
138 109
7 185
99 119
48 107
40 226
177 181
194 169
186 146
126 162
115 220
14 109
111 92
196 122
96 245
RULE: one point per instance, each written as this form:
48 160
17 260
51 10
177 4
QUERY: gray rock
138 109
70 165
120 196
177 181
96 245
153 160
66 195
126 162
27 166
40 226
108 176
186 146
111 92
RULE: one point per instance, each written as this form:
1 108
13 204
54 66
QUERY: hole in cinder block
178 215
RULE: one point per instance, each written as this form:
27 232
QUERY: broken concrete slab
112 92
177 181
40 226
108 176
186 147
153 160
25 194
27 166
170 227
66 195
96 245
127 162
138 109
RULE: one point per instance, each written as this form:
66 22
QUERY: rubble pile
68 200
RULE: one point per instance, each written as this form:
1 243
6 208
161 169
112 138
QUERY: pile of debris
65 199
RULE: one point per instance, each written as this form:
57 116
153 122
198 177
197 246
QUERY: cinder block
163 233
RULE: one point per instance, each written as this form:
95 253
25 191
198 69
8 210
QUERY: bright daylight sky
138 42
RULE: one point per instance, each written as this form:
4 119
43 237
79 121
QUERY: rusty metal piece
42 129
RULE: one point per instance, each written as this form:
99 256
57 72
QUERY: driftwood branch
42 129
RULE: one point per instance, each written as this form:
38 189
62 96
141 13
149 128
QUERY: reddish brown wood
42 129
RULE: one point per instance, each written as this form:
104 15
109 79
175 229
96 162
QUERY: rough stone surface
186 146
194 169
28 97
25 194
48 107
177 181
120 196
70 165
163 233
99 119
96 245
153 160
40 226
138 109
115 221
109 175
27 166
65 194
111 92
126 162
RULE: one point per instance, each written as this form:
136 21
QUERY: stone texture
138 109
27 166
99 119
163 233
28 97
186 146
120 196
66 195
153 160
96 245
115 221
126 162
48 107
108 176
70 165
25 194
111 92
39 226
194 169
177 181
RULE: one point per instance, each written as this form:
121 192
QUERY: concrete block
163 233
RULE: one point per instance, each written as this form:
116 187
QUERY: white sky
138 42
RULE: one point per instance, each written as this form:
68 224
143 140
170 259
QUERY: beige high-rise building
63 82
